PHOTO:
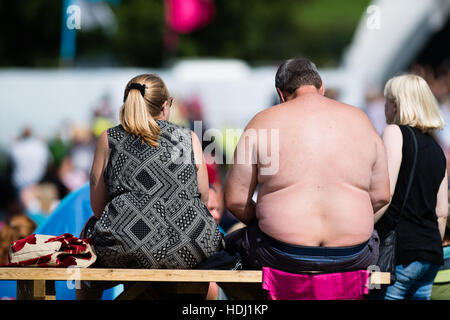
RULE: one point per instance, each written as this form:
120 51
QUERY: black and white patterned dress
155 217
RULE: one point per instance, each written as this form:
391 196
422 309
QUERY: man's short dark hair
297 72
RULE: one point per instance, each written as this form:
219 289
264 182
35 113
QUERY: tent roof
390 35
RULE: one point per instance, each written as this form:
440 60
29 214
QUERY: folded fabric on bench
281 285
63 251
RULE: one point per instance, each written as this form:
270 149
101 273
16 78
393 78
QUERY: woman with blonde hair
418 178
18 227
149 189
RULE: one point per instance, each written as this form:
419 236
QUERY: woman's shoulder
173 128
169 124
118 127
393 127
116 133
393 132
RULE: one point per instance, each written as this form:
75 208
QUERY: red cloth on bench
281 285
62 251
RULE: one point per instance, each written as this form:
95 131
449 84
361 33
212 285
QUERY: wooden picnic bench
39 283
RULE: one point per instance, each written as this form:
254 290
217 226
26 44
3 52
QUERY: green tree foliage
261 31
29 32
258 31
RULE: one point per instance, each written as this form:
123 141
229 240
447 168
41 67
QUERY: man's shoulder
354 119
270 113
356 113
350 108
260 118
326 104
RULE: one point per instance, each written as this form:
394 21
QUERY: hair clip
138 86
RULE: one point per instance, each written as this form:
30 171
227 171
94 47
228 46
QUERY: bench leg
193 290
164 291
133 291
181 290
36 290
244 291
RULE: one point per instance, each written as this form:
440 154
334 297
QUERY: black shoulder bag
388 246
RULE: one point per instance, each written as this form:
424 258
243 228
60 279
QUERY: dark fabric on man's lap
256 251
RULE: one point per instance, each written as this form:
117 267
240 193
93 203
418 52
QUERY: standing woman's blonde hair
416 104
143 100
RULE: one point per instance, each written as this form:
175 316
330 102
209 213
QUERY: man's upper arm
379 190
242 177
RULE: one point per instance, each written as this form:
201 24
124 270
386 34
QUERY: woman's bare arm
393 143
202 172
97 184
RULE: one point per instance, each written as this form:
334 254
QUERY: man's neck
302 91
305 90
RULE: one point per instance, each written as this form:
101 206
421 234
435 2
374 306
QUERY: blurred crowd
38 173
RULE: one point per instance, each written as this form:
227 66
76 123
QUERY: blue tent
69 217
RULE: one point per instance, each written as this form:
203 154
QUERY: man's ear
280 94
322 90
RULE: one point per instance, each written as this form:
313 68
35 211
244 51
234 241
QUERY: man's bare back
320 194
322 172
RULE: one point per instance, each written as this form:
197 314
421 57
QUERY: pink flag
184 16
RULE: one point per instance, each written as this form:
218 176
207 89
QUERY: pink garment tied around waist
281 285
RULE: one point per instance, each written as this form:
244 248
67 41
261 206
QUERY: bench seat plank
99 274
165 275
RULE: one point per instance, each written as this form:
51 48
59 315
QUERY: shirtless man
316 212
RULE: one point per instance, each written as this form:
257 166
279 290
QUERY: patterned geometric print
155 217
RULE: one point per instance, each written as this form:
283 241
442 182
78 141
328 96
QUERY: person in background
39 201
214 205
76 164
216 209
375 110
29 157
18 227
410 104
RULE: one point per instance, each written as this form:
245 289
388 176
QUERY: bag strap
411 176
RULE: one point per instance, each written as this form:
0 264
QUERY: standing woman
420 226
149 189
